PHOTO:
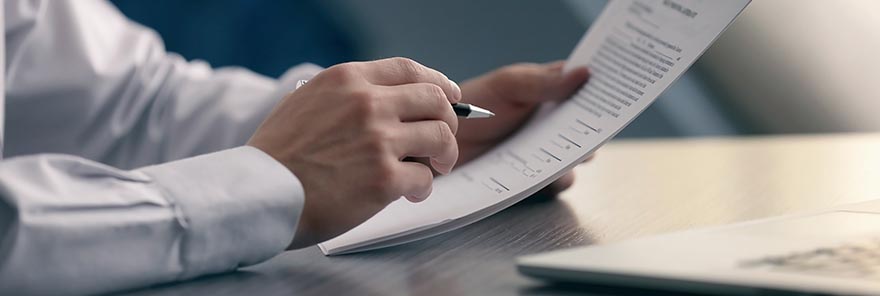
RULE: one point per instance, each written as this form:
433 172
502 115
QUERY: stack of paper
635 50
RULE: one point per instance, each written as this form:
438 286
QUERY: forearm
88 228
114 95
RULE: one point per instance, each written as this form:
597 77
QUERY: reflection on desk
631 189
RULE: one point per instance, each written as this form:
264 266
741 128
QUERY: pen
461 109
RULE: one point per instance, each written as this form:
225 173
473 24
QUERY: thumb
562 85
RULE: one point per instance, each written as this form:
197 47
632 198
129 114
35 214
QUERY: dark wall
267 36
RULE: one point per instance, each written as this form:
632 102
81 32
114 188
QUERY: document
635 50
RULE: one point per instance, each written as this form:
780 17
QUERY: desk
631 189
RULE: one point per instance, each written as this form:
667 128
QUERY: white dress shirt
125 164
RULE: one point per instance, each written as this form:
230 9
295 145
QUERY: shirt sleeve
90 82
73 226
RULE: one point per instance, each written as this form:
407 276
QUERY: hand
514 93
348 134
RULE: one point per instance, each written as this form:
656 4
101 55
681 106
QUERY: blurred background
785 66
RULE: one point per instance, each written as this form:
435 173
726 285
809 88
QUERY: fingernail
422 197
441 168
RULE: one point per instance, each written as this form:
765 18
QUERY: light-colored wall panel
803 65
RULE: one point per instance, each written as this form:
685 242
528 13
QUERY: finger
553 190
567 84
417 185
537 83
398 71
421 101
563 183
589 158
431 138
555 84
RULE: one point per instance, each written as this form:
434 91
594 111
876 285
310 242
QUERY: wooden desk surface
631 189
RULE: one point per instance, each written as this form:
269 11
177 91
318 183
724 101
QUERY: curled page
635 50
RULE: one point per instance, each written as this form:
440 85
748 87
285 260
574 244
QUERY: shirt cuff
237 207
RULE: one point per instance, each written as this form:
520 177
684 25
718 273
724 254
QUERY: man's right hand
348 136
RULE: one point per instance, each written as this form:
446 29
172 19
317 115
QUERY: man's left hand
513 93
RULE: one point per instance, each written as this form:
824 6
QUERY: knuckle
437 96
366 104
427 175
424 180
447 116
444 135
383 138
341 73
378 141
404 61
409 67
452 121
384 174
361 96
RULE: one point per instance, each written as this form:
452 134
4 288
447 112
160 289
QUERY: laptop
835 251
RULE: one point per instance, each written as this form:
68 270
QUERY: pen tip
477 112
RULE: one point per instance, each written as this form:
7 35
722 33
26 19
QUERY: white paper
635 50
